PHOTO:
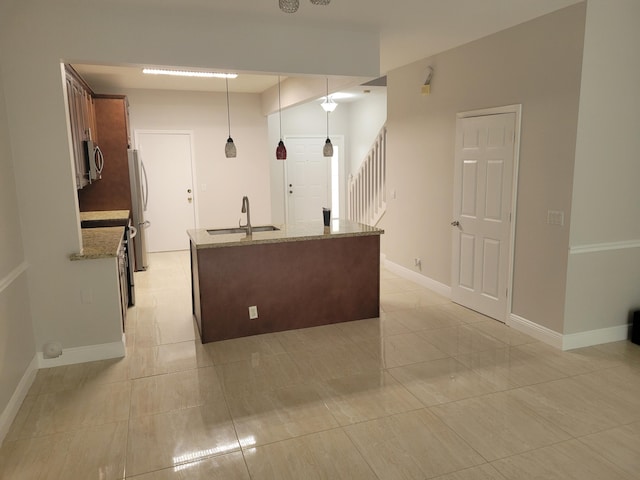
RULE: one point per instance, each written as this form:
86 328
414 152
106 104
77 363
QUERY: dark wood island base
295 283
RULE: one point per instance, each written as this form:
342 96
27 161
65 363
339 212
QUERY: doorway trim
517 110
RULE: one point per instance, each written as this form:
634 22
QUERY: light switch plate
253 312
555 217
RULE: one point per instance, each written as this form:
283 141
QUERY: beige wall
603 279
220 182
536 64
17 348
41 34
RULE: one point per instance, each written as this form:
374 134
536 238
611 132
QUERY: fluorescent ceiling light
184 73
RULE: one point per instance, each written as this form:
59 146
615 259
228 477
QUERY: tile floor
428 390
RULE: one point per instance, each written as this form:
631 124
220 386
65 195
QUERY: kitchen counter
102 242
201 238
104 218
303 275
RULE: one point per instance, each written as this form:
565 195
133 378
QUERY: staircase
367 188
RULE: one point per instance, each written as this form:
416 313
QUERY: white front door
170 208
307 184
484 165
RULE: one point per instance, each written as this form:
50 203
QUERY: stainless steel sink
223 231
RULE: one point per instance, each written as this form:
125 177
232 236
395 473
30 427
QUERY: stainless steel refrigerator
139 199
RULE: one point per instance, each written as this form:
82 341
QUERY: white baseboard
595 337
11 410
89 353
415 277
544 334
572 340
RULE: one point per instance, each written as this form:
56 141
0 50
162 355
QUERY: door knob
455 223
290 191
188 190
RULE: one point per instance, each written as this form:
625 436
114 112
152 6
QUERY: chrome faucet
246 209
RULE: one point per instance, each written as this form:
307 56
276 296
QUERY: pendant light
281 150
230 147
327 150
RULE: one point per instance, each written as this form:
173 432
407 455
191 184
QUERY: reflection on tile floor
428 390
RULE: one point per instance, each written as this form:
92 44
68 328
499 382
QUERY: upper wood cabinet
82 120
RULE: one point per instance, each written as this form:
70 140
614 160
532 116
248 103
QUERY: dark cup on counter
326 216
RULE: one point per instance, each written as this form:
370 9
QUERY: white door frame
196 214
337 140
517 110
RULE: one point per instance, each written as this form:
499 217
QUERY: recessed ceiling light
185 73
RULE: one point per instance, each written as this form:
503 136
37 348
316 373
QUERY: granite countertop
287 233
104 218
102 242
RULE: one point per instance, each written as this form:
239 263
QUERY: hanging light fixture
327 150
328 105
289 6
230 147
281 150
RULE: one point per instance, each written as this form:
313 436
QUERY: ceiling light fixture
185 73
230 147
328 105
291 6
281 150
327 150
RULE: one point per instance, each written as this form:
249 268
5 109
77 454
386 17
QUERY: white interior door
484 163
170 208
308 188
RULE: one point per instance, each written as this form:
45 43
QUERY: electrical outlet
253 312
86 295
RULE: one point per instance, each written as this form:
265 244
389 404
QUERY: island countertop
201 238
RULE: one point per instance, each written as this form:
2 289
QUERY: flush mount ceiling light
230 147
291 6
186 73
281 150
327 150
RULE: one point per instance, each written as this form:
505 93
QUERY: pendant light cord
327 110
228 114
279 108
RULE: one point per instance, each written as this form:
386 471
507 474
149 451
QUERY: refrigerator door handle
145 192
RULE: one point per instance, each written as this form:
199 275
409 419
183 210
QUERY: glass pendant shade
230 149
281 151
328 105
321 2
289 6
327 150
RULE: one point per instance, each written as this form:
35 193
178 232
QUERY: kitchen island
299 276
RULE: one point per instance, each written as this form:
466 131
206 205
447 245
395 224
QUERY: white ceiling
409 30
